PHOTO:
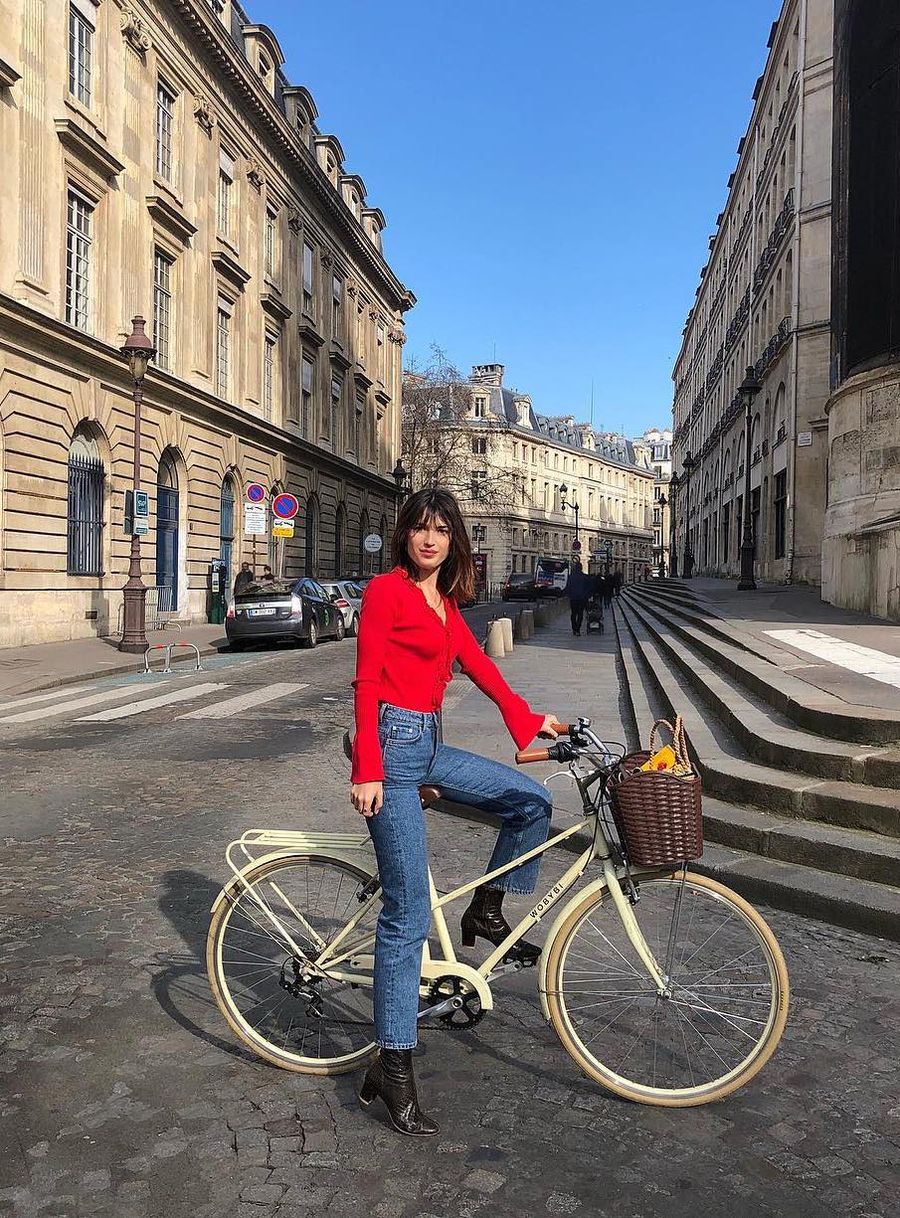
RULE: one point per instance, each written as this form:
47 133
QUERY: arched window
340 533
167 534
85 506
226 530
364 561
310 557
383 557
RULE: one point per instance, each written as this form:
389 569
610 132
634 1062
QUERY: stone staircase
801 788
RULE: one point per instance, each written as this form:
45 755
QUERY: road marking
46 696
62 708
138 708
233 706
879 665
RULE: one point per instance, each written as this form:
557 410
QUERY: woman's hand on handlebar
367 797
550 728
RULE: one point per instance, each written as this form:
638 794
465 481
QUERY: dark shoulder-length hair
457 573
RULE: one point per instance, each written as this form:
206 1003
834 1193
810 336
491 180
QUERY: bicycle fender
576 899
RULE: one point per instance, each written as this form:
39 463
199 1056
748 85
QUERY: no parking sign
285 506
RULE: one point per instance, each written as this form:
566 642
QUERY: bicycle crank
455 1003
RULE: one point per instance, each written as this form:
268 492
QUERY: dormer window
479 408
264 68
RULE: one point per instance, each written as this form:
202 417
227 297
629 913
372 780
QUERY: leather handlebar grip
562 729
525 755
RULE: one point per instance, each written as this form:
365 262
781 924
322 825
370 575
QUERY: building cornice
85 354
206 36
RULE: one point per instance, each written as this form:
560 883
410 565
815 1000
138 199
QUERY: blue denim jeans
414 755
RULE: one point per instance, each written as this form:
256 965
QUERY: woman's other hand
547 730
367 797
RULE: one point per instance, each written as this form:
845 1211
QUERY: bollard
507 631
493 644
542 616
526 624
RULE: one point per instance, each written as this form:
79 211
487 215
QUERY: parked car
298 609
519 586
347 595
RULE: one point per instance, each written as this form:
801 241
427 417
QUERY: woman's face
428 544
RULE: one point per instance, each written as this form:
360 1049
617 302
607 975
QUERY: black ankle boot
391 1077
484 917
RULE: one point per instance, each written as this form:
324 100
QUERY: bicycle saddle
427 794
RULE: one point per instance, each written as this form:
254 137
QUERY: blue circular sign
256 492
285 506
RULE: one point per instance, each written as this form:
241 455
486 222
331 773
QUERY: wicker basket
658 814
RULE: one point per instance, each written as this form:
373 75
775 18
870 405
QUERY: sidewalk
779 608
26 670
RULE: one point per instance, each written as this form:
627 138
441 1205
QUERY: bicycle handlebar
525 755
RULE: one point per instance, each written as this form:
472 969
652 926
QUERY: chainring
466 1016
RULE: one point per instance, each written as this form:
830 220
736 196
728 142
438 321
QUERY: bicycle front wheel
287 1009
723 1010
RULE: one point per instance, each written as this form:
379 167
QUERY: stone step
793 884
810 708
738 780
767 736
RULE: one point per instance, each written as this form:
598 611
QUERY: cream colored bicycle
663 985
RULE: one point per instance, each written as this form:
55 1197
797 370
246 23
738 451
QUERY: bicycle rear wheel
725 1004
313 1021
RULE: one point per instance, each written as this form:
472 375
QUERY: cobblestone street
124 1093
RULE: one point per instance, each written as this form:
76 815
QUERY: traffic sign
285 506
576 547
372 543
282 528
141 503
256 492
254 519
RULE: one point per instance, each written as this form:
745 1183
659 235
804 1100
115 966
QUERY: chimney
487 374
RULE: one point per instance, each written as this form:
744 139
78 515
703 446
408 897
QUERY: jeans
413 756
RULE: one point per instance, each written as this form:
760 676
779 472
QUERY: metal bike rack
156 647
168 648
182 643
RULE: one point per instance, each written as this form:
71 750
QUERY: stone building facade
655 449
861 546
157 161
764 301
607 477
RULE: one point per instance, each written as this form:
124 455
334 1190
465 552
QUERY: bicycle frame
357 850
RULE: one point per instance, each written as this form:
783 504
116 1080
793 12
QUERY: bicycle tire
701 1092
222 987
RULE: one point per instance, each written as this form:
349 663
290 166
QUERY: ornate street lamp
687 561
479 533
563 492
660 556
139 351
748 389
673 545
400 476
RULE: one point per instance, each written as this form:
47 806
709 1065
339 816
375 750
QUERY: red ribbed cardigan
405 655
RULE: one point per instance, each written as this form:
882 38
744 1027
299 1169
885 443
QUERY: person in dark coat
607 590
617 582
243 579
578 590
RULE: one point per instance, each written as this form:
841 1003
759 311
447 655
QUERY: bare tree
444 445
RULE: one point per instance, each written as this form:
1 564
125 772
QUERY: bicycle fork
625 910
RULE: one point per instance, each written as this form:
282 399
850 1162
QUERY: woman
410 633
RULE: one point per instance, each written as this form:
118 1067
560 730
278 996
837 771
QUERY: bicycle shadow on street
180 986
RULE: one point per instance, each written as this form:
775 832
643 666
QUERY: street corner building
157 162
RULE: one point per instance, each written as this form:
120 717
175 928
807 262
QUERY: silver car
347 595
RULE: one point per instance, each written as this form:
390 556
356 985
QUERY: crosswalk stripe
138 708
46 696
62 708
233 706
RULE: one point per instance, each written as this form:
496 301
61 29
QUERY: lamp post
673 543
748 389
479 533
400 476
687 559
139 351
563 492
661 554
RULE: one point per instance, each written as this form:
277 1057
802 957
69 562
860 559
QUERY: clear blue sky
550 174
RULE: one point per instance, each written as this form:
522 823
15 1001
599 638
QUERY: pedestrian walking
578 590
411 631
607 590
243 579
617 581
